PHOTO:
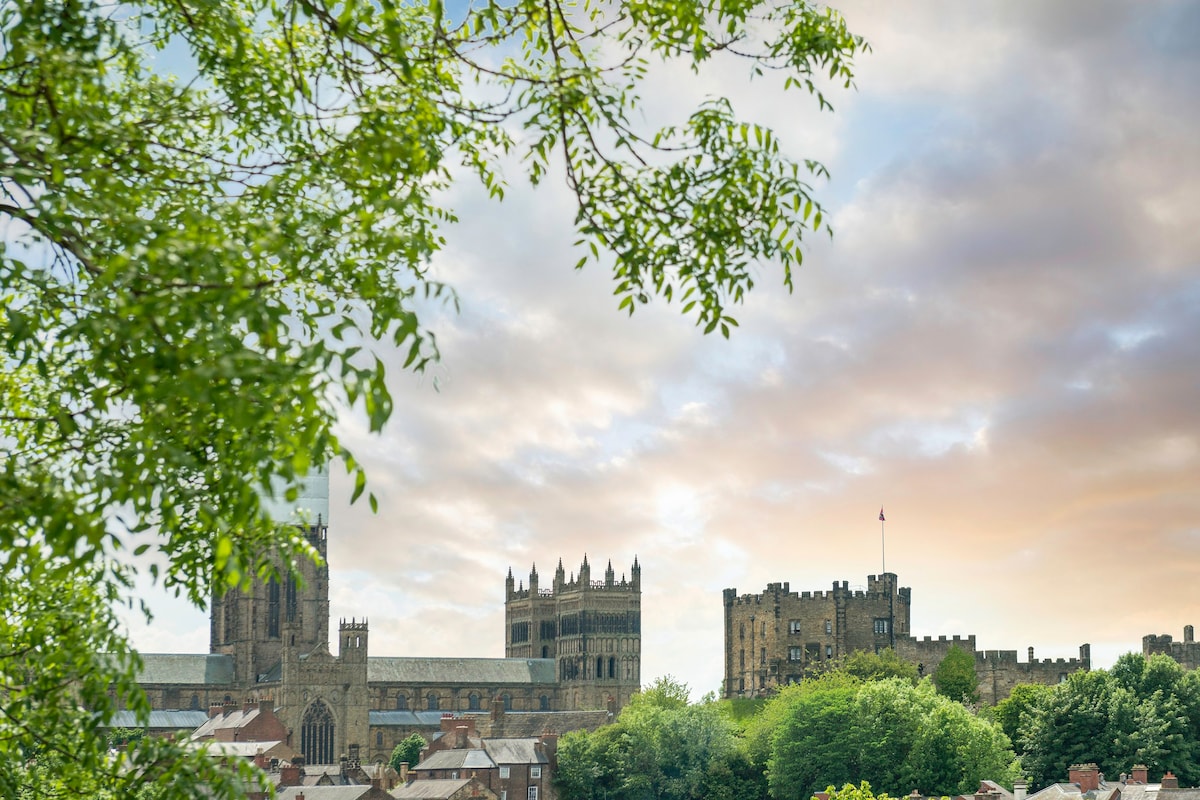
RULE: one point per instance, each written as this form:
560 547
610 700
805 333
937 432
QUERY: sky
1000 346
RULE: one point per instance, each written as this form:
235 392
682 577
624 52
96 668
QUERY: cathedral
575 646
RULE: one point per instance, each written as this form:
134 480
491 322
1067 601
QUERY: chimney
1087 776
1169 781
914 795
248 705
460 737
214 710
1139 774
289 775
404 772
497 708
261 761
266 706
1019 790
228 707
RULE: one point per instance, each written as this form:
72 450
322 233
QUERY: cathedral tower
592 630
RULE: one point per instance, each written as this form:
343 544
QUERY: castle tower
779 636
591 630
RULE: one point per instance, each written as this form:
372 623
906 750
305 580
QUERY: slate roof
430 789
322 792
457 759
234 719
514 751
239 749
441 671
429 719
211 669
169 720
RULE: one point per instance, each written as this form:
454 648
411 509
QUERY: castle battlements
780 636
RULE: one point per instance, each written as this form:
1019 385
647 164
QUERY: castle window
544 703
742 631
795 654
507 698
431 701
762 659
316 734
881 626
741 659
794 627
612 667
828 627
829 651
195 702
599 668
472 702
401 703
379 738
764 629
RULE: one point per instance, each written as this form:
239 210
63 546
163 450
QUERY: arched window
612 667
379 738
472 702
599 667
196 702
431 701
401 702
316 734
507 698
544 703
545 651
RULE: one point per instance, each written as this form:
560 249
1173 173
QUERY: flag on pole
881 519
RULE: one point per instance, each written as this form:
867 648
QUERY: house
460 789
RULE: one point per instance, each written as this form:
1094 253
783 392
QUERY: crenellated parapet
591 628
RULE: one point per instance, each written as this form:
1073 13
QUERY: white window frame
535 772
504 772
533 793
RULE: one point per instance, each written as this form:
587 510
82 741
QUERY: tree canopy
955 676
1144 710
889 733
659 748
199 265
407 752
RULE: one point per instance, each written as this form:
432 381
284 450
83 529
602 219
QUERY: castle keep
775 638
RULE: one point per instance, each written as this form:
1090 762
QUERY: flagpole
882 541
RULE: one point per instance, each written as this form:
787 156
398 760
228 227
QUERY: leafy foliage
955 676
660 747
869 666
1143 710
889 733
197 269
407 752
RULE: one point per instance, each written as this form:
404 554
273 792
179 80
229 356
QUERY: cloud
999 345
